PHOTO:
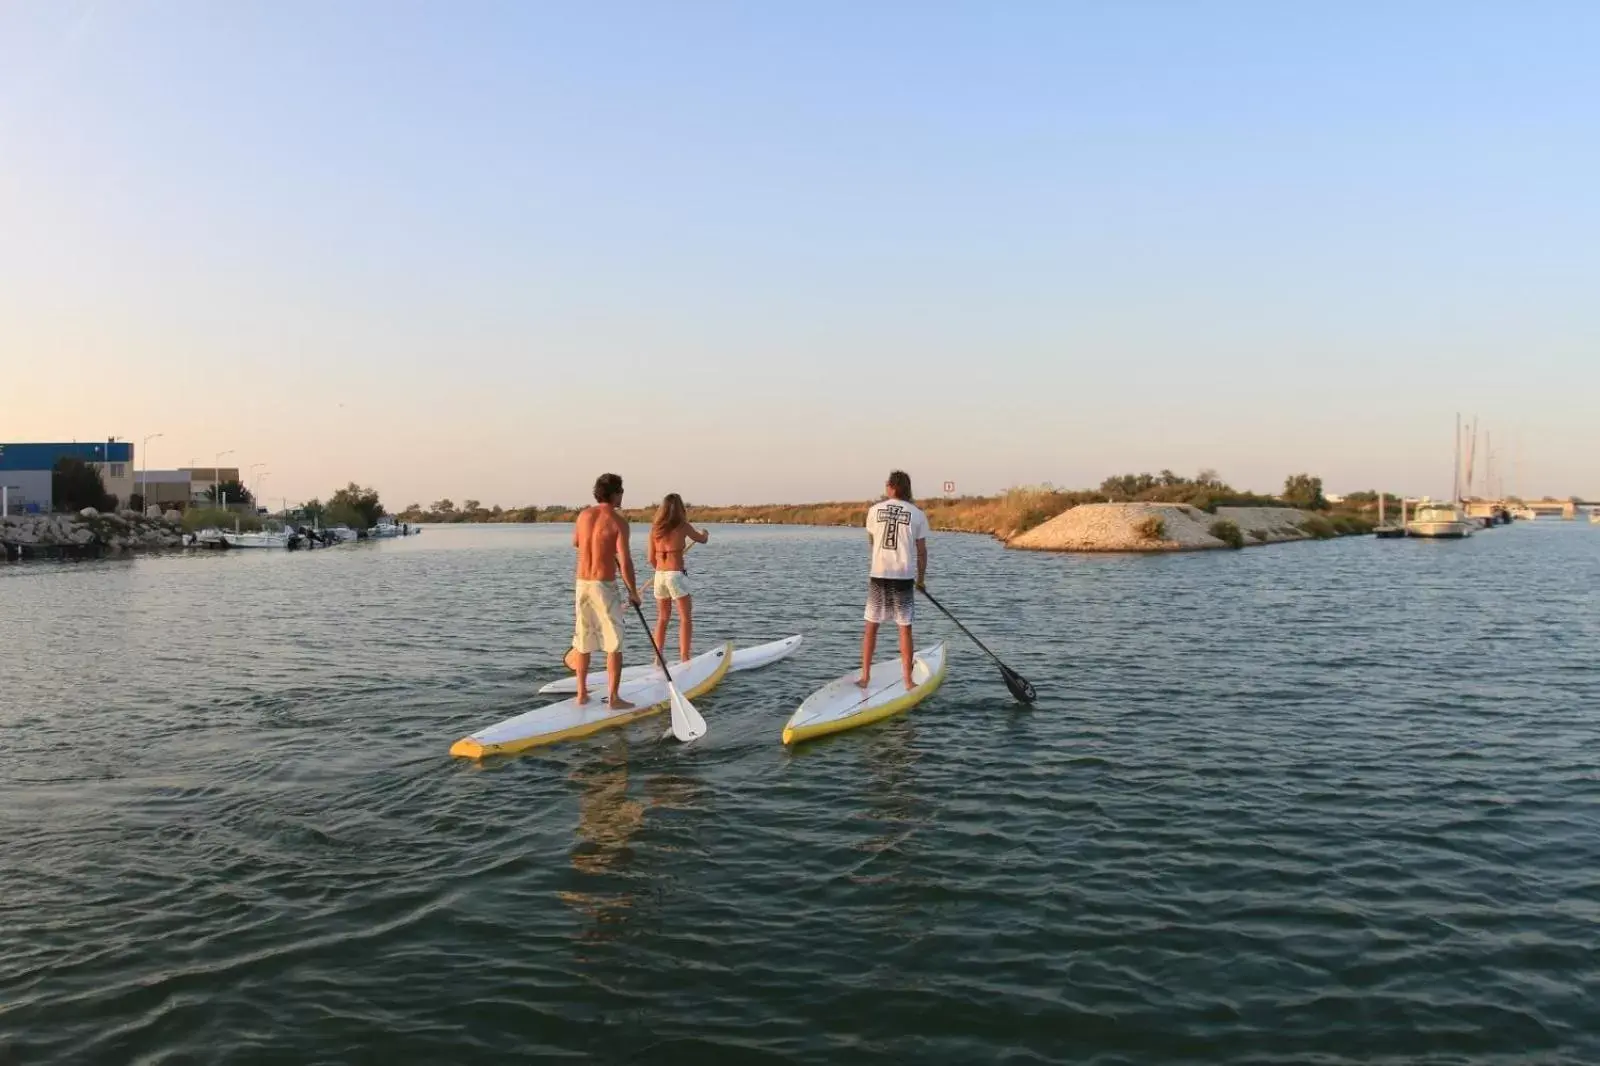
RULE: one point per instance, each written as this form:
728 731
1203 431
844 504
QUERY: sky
765 252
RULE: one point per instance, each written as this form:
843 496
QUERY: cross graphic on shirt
891 519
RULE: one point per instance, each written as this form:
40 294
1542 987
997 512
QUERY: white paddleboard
743 659
841 704
565 720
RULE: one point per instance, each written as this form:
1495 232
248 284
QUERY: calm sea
1322 803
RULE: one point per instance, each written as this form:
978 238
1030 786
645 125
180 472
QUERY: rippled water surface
1331 803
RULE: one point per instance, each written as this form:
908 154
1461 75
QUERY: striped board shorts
891 600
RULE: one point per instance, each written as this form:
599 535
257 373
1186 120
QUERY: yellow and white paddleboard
842 704
565 720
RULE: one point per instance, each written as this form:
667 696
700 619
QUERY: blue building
25 470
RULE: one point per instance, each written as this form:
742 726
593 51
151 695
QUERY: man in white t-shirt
899 533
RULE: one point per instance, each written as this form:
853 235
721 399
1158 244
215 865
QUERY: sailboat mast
1455 480
1488 459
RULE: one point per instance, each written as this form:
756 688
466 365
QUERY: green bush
1351 525
1151 527
198 518
1228 533
1319 528
1305 492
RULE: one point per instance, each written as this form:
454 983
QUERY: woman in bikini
669 541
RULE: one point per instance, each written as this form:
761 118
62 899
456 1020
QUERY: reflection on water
890 794
607 822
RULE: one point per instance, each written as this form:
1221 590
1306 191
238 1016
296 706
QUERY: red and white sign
949 487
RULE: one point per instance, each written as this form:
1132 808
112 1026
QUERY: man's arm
625 557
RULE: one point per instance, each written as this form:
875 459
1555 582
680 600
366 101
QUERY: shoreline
1031 520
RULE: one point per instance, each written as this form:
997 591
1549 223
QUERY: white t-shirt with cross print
895 526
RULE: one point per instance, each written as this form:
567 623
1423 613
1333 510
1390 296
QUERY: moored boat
1440 520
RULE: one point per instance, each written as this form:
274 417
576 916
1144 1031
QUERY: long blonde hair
669 516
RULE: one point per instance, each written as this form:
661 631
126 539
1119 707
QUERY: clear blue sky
765 251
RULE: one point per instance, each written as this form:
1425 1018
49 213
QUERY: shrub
357 507
1228 533
1319 527
1351 525
198 518
1305 492
74 485
1151 527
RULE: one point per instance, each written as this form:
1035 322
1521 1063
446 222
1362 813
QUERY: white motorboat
1442 520
1526 514
267 538
340 533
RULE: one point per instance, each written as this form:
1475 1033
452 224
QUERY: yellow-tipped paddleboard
842 704
566 720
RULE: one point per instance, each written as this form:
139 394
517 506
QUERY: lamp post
255 491
144 504
250 479
216 477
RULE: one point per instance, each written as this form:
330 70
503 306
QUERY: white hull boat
1441 521
264 539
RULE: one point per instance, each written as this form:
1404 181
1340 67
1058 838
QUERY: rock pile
86 533
1147 527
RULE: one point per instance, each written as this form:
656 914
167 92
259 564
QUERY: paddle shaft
961 627
660 659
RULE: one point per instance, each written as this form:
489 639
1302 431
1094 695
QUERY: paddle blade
687 724
1019 686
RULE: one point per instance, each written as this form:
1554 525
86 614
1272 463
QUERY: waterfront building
25 470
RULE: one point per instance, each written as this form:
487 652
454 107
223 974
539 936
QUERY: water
1331 803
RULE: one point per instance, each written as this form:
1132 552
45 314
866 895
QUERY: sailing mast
1455 480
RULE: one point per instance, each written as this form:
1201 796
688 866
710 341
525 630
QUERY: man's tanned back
597 537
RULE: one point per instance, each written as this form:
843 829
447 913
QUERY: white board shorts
671 584
598 609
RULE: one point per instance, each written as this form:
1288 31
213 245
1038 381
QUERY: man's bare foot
621 705
863 682
583 698
570 660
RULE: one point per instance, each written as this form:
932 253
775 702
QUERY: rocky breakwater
87 533
1161 527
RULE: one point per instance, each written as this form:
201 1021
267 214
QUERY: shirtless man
601 538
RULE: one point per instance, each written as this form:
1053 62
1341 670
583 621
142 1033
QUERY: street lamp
250 478
255 490
144 504
216 477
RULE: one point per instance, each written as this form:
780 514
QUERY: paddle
1014 681
687 724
